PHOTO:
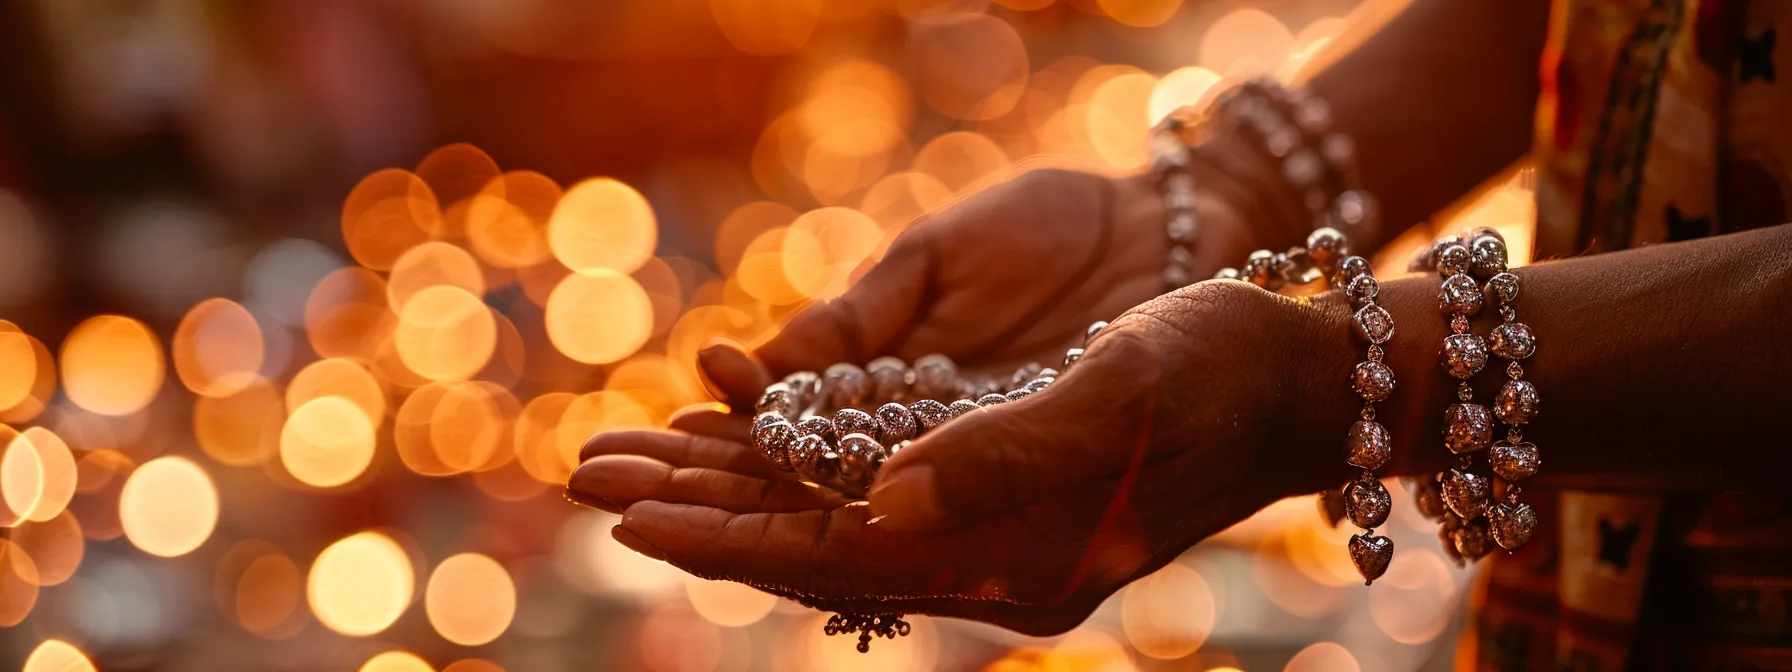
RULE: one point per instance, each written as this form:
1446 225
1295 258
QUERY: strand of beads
1366 501
1468 426
1513 459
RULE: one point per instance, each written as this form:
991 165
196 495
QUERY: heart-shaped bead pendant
1466 493
1511 524
1367 502
1371 555
1472 539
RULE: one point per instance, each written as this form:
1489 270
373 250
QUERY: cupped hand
1010 275
1177 423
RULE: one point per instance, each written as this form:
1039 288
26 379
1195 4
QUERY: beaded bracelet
1169 163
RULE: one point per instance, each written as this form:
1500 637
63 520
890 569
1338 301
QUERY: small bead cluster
1463 500
817 427
838 428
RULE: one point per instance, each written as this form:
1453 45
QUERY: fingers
1089 425
619 481
683 450
711 423
731 374
865 321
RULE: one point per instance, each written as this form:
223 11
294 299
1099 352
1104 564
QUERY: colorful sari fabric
1660 121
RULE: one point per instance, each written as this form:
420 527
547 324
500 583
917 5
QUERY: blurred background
307 306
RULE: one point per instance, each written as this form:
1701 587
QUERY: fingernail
908 499
593 501
636 543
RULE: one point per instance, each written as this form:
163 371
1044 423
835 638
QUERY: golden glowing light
21 477
1141 13
445 333
387 213
898 199
168 507
39 386
1188 86
598 316
727 603
473 665
111 365
823 247
1323 657
603 224
55 546
268 593
217 349
1169 614
1245 42
766 27
962 160
344 378
1086 649
455 172
1286 585
347 314
470 599
18 584
55 655
664 291
55 465
327 442
534 439
1118 115
449 428
18 368
507 222
396 661
360 584
972 67
242 428
743 226
1421 597
761 270
431 264
590 414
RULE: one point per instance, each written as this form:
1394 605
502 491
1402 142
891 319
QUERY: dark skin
1195 409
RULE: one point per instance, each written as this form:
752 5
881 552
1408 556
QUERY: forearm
1665 362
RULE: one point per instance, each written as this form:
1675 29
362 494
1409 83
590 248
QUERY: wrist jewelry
1170 158
818 427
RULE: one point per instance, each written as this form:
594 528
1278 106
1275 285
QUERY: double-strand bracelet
1513 459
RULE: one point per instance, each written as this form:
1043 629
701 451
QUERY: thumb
862 323
1090 424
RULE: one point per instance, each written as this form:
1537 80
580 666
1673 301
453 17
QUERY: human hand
1175 424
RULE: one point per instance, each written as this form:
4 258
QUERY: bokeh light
1169 614
396 661
46 480
55 655
327 442
445 333
387 213
18 583
168 507
217 349
111 365
55 547
242 428
598 316
345 378
267 594
360 584
470 599
1245 42
18 368
767 27
1323 657
727 603
972 67
603 224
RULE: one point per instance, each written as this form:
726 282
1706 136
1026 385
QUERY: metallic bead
1181 228
1367 502
1356 211
889 379
816 426
1511 524
962 406
1348 269
1460 296
1371 554
1367 446
1513 341
1469 234
1374 324
1313 114
1467 428
1516 403
1487 256
1453 259
1024 374
773 441
896 423
1039 383
1089 334
848 384
854 421
808 455
1226 274
929 414
1177 276
1466 493
1472 540
1503 287
1072 356
1464 355
1373 380
1427 497
1363 289
1018 394
1301 269
860 456
1426 260
1258 269
1514 461
1302 167
776 399
1280 141
804 386
1047 372
766 418
992 399
936 377
1447 535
